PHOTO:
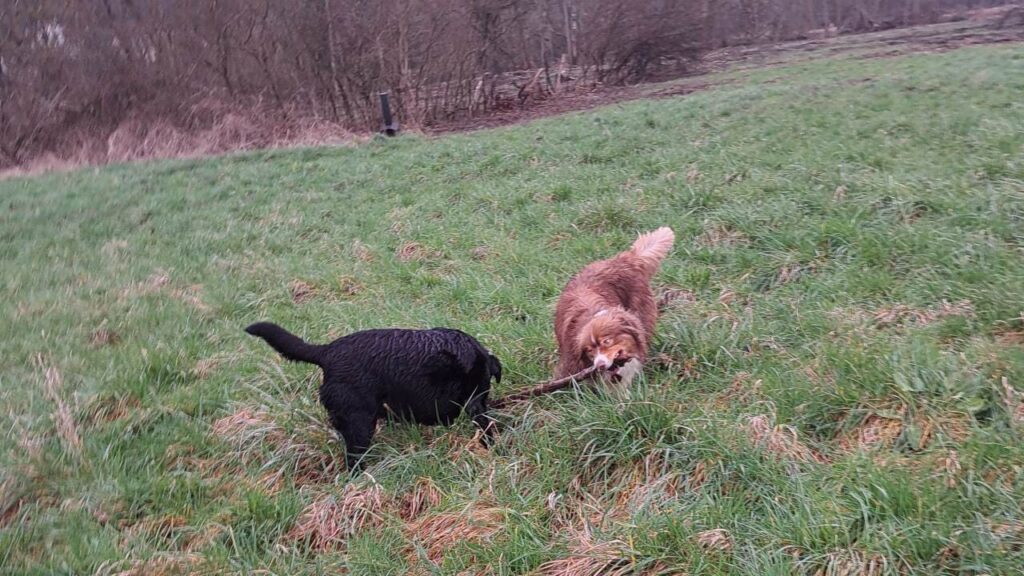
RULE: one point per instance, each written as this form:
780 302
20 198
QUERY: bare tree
79 77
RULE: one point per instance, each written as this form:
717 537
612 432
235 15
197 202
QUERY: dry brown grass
873 432
134 139
162 527
684 369
901 314
717 539
114 247
726 296
791 272
856 320
952 468
301 291
460 446
590 555
1009 534
103 336
742 391
411 251
235 426
44 164
1014 401
236 128
416 252
699 476
62 416
30 444
581 508
362 252
480 253
112 408
223 474
1010 337
328 522
720 235
589 558
606 505
424 496
440 532
161 564
854 563
649 484
10 505
206 366
589 510
160 283
192 295
587 553
205 536
155 281
779 440
349 286
666 297
253 431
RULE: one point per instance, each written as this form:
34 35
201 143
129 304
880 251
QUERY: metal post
390 126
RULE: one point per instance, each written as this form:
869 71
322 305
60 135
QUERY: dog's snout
601 362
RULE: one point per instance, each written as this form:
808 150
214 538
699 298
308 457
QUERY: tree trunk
570 45
332 90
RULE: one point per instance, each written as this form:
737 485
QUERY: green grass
832 400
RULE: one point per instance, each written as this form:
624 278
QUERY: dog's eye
606 342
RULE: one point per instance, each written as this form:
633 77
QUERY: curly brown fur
606 314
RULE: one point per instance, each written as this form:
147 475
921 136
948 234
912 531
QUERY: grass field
840 390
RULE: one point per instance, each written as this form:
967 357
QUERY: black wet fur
424 376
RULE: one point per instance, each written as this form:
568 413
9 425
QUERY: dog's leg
357 428
477 410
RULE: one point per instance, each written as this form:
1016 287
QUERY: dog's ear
584 337
464 356
631 327
584 356
494 367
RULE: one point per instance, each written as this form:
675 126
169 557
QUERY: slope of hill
839 390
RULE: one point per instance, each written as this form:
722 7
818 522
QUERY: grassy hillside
840 390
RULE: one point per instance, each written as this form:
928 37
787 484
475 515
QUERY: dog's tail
651 248
287 344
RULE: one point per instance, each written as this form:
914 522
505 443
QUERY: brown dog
606 314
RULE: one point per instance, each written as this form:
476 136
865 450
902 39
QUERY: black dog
424 376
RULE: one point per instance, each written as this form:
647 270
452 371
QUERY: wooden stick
544 388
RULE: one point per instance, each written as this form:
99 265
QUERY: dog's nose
601 362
